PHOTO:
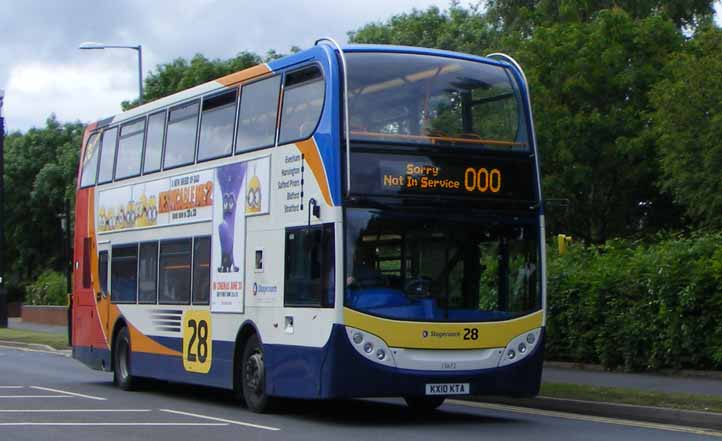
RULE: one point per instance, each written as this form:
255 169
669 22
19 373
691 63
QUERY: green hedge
638 306
48 289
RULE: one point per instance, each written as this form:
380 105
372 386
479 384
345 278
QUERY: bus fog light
522 348
358 338
368 347
511 354
530 339
380 354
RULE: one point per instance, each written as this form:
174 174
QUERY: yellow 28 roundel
197 341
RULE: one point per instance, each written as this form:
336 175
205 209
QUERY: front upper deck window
421 99
90 162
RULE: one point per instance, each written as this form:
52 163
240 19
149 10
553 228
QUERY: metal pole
140 73
3 296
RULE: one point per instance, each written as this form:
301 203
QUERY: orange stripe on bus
313 158
141 343
245 74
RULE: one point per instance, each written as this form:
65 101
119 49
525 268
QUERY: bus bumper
344 373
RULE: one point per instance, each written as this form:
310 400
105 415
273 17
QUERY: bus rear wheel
121 361
424 404
253 377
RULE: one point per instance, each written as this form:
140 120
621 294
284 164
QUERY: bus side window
180 141
148 272
257 116
107 155
174 276
130 149
217 118
303 94
310 266
154 142
124 274
201 291
90 162
103 271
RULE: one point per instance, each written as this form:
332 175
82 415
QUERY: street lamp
89 45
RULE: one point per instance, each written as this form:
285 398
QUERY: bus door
102 294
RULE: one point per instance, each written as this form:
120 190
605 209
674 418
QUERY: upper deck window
303 94
130 149
90 162
180 143
219 113
107 155
421 99
257 117
154 142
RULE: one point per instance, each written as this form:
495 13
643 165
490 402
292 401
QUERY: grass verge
57 341
706 403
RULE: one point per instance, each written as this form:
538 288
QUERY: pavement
18 323
647 382
44 396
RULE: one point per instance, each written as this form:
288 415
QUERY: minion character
253 195
111 219
120 219
141 210
102 220
130 215
152 212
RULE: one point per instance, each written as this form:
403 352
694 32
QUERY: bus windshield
451 269
422 99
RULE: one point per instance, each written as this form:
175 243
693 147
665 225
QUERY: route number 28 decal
197 342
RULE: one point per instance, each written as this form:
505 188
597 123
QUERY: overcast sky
43 72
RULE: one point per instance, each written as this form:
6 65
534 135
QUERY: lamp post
3 297
91 45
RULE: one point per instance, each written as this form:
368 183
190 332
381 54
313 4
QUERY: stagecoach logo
264 289
442 334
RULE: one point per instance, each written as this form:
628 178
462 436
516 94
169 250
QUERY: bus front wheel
424 404
253 377
121 361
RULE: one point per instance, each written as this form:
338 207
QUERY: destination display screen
383 174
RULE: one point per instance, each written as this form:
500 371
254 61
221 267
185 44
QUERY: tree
525 15
458 29
40 171
687 117
589 86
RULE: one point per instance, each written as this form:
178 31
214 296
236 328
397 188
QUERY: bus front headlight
520 347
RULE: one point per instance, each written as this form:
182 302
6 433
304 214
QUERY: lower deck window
175 272
124 274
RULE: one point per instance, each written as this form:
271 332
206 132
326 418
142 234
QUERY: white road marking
34 396
90 397
54 352
11 387
29 423
70 410
238 423
596 419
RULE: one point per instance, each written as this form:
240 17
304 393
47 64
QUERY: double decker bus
362 221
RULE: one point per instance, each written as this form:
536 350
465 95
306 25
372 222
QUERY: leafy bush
48 289
638 306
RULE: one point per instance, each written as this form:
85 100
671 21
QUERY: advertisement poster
227 249
169 201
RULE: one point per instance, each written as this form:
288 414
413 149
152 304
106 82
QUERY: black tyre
424 404
253 377
121 362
